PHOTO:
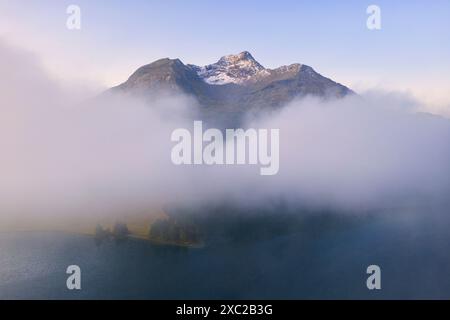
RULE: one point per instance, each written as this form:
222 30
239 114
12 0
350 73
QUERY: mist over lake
325 261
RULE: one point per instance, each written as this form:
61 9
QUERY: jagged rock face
233 86
238 69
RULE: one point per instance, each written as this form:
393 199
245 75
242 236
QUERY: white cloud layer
106 154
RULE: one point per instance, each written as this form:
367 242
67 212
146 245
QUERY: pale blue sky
410 52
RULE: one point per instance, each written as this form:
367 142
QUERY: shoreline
133 237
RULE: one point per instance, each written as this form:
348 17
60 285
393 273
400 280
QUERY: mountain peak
244 56
233 68
235 83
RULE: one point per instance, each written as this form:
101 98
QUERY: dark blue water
414 258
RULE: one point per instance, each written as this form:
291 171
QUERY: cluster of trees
119 233
171 230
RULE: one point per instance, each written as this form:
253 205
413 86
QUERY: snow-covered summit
241 68
233 68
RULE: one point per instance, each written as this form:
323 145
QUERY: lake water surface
414 259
